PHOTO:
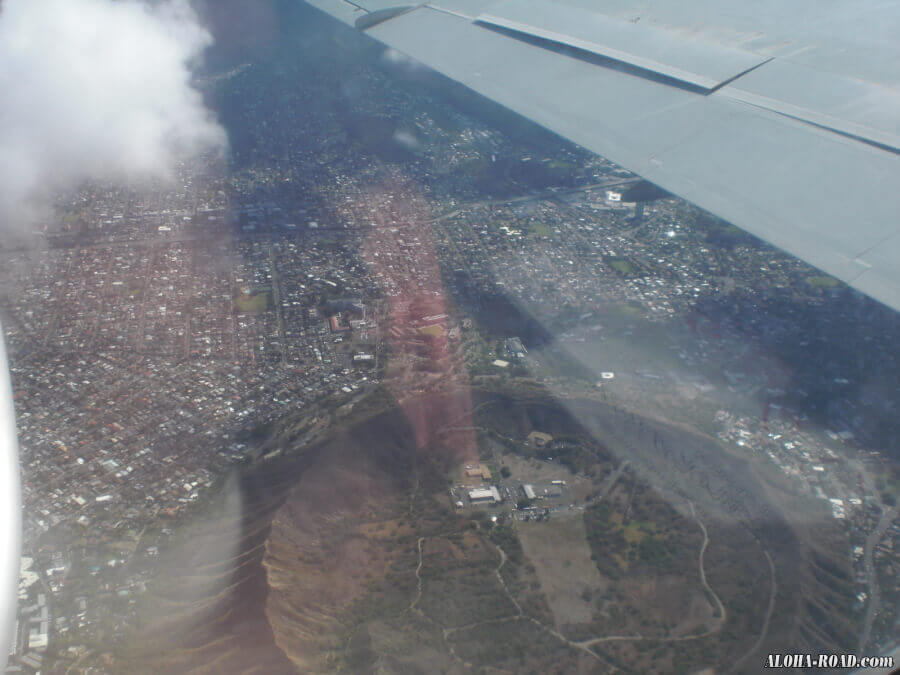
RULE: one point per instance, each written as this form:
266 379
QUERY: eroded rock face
319 557
204 610
350 556
338 533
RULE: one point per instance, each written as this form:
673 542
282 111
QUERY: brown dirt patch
561 556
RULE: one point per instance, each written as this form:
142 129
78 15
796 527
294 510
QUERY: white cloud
96 90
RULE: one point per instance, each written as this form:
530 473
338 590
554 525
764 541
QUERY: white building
484 495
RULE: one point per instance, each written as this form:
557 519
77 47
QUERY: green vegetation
644 192
620 265
561 164
822 281
514 417
540 230
626 311
506 538
515 646
889 486
634 533
253 302
646 549
653 551
718 232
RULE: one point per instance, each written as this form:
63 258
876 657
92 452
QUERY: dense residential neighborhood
152 330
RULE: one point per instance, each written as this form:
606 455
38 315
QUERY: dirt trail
681 638
723 615
585 645
418 597
519 615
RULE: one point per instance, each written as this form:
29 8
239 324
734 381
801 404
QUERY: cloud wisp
96 90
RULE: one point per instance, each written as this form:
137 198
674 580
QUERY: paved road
887 517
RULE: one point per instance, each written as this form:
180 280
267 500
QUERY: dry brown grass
561 556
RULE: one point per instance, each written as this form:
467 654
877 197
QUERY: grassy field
434 331
621 265
561 165
569 578
540 230
822 281
253 303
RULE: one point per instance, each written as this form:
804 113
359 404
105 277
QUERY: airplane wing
10 511
782 118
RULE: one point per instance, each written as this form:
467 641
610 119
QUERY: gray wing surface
10 510
781 117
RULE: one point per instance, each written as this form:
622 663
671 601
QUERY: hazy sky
95 89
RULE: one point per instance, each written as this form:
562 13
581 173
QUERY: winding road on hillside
680 638
887 517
